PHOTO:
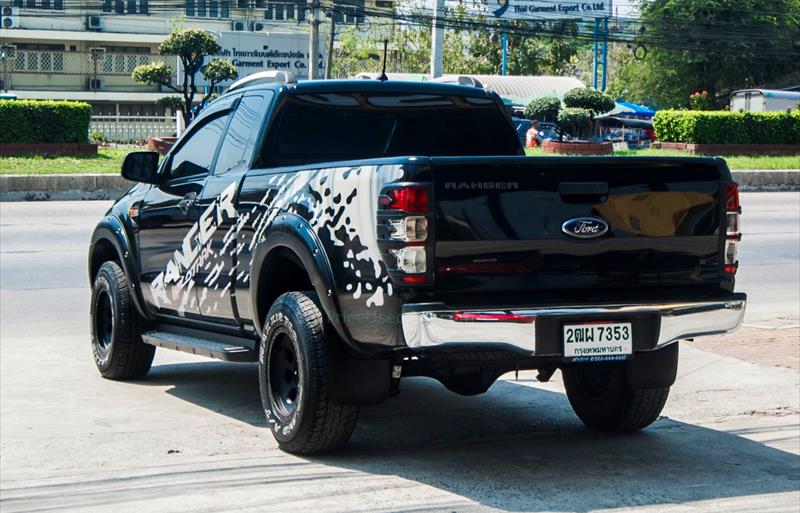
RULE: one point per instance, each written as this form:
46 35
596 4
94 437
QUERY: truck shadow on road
515 448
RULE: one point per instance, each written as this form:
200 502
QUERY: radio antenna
383 77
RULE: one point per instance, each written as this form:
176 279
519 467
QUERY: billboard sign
549 9
252 52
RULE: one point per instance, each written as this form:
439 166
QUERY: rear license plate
598 340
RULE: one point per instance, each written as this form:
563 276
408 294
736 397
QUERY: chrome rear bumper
427 326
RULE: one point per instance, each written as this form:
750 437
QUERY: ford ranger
348 234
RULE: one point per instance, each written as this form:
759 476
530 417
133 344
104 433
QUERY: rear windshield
331 127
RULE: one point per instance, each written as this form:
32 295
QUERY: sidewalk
767 347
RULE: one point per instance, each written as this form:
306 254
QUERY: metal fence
78 63
132 128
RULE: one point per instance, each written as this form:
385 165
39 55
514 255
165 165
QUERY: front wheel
116 327
293 377
604 400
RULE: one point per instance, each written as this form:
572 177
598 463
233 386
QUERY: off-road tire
116 327
294 390
602 398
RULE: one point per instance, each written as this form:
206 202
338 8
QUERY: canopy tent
613 121
630 109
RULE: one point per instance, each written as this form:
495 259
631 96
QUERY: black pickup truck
348 234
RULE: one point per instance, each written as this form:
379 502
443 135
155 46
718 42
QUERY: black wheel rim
103 321
284 375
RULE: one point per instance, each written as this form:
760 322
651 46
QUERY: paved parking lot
191 437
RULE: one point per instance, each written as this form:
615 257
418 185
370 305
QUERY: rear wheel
604 400
294 378
116 327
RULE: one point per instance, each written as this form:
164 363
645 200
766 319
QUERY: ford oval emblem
585 227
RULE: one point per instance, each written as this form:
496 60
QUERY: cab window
196 154
244 129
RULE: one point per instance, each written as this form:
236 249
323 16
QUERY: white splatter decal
340 205
178 276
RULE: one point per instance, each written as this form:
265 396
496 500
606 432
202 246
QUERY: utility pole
331 37
313 42
504 64
600 53
437 39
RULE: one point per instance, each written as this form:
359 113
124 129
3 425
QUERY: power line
667 33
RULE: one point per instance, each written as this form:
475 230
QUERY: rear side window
242 132
330 127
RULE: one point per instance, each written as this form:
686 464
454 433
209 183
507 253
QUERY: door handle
186 203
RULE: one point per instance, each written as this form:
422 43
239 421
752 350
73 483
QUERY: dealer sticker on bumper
597 339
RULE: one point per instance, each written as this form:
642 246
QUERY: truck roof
371 86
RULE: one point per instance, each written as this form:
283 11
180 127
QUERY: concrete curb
62 187
768 180
108 186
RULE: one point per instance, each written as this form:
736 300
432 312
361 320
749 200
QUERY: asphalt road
191 436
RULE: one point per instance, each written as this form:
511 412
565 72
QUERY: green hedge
723 127
32 121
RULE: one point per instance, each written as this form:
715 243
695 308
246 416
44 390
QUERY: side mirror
141 166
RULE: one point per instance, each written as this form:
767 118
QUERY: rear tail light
407 199
410 260
732 219
406 213
733 235
409 229
732 196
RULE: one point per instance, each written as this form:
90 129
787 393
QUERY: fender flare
292 232
112 229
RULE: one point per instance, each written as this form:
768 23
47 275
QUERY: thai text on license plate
598 339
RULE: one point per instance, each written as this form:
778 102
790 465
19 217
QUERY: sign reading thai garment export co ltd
252 52
549 9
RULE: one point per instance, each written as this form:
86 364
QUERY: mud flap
359 381
654 369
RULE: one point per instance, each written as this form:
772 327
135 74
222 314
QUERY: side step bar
230 349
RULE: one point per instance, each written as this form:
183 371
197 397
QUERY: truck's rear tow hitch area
472 372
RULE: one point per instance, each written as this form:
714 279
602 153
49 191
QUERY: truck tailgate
500 224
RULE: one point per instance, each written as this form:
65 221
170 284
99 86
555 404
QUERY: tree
472 45
543 109
527 54
710 45
573 120
592 101
191 46
218 71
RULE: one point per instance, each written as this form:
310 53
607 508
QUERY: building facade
86 49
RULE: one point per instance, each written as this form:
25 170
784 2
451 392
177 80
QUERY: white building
86 49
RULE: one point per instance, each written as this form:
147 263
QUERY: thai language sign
252 52
549 9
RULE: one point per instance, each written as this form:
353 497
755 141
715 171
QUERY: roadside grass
763 162
107 160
